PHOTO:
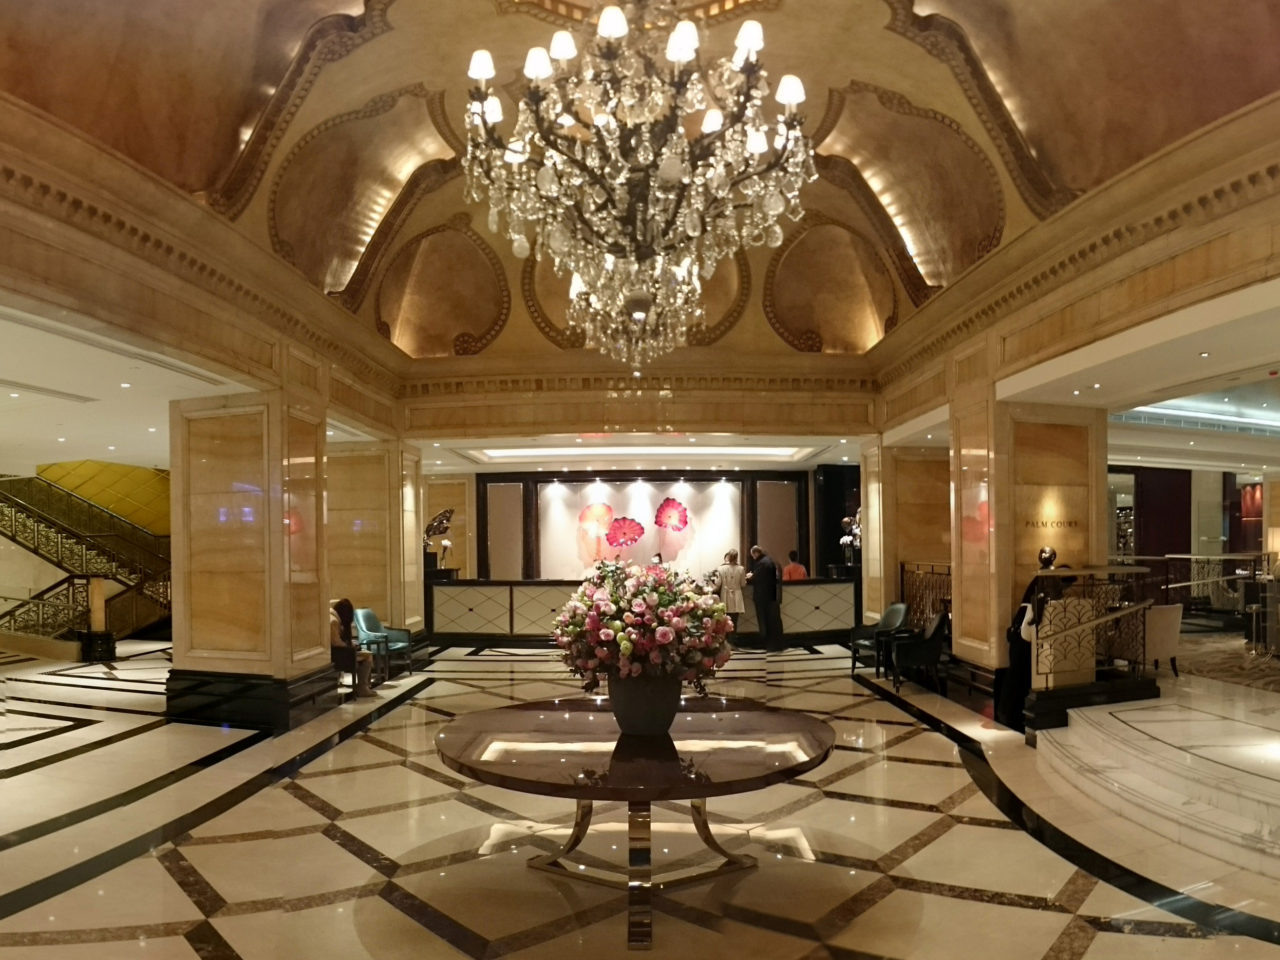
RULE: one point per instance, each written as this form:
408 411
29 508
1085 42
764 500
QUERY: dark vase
645 706
644 761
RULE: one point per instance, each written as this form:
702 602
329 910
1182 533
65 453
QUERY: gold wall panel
971 438
451 494
1051 496
138 494
922 490
303 534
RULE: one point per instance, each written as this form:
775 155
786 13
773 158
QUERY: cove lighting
1204 415
551 453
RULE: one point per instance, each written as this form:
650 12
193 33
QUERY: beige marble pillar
249 593
373 528
1025 476
877 589
1271 515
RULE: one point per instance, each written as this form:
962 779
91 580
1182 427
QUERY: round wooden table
571 748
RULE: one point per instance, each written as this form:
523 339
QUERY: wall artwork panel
690 524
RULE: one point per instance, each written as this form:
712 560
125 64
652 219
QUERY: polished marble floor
368 846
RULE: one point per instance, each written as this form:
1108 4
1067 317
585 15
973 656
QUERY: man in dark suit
766 582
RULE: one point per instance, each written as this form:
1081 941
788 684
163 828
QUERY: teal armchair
390 646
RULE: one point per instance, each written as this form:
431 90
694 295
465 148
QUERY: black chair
874 637
922 651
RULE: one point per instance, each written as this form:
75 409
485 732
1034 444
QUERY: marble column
374 529
250 598
1025 476
1271 514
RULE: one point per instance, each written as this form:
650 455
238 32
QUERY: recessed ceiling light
693 439
1075 393
1139 458
844 441
1097 386
435 444
928 436
110 448
328 433
1204 354
438 462
126 386
13 394
845 459
564 469
577 440
62 439
1226 399
151 429
1191 443
636 374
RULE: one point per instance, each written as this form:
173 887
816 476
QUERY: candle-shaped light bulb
750 36
576 286
790 90
613 23
537 65
712 121
562 46
481 66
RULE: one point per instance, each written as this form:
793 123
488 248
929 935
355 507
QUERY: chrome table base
638 880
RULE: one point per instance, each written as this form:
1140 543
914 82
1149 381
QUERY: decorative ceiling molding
126 232
569 13
467 344
700 335
328 41
805 386
810 341
945 40
383 103
1253 186
427 179
842 173
563 337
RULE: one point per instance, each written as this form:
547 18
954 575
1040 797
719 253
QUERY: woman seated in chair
344 653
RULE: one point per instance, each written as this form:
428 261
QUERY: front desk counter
496 613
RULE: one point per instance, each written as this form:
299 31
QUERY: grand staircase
82 540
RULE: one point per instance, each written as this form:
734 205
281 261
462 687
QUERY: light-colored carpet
1226 657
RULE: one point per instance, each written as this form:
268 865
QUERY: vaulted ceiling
329 130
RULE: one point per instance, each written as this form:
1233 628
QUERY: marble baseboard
247 700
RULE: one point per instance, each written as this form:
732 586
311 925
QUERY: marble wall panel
304 536
873 533
972 573
357 528
922 490
444 494
227 532
1052 475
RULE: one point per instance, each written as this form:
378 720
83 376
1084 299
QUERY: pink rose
664 635
655 656
677 624
606 635
638 605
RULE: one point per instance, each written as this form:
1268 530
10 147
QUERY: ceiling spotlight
151 429
438 462
1204 354
62 439
844 441
126 386
928 436
328 433
110 448
845 459
577 440
1075 393
1097 386
1191 443
13 394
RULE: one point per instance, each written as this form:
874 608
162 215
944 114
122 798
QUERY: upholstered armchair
875 636
923 651
389 645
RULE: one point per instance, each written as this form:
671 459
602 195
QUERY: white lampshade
790 90
712 121
493 110
757 142
613 23
750 36
537 65
481 66
682 45
515 152
562 46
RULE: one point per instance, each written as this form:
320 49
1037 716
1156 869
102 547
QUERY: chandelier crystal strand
637 170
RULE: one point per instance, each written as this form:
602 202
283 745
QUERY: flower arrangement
629 621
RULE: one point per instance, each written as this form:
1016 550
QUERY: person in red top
795 569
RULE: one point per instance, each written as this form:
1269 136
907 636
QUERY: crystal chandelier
637 168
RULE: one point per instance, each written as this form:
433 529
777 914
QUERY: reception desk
492 613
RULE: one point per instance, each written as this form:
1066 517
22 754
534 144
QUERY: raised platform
1195 775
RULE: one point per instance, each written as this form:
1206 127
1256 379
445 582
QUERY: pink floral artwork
624 532
672 515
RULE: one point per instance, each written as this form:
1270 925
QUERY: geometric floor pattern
887 850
